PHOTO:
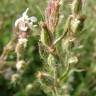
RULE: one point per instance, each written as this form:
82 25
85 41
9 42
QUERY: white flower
74 24
23 41
73 59
15 77
20 65
29 87
25 22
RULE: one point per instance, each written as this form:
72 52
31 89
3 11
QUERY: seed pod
45 36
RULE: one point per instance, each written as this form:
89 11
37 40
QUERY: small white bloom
74 24
15 77
61 16
23 41
35 26
61 2
77 21
73 59
20 65
22 25
29 87
25 20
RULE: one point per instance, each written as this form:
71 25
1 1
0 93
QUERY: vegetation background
85 82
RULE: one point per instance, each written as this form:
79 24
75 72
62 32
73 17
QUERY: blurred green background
10 10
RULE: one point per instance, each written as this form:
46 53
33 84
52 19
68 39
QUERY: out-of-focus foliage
84 82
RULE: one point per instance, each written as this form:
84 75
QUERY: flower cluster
52 15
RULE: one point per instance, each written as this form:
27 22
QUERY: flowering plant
56 53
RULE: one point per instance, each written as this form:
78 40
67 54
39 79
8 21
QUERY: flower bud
45 36
20 47
75 25
76 7
14 78
72 60
45 78
25 22
52 15
23 41
20 65
29 87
